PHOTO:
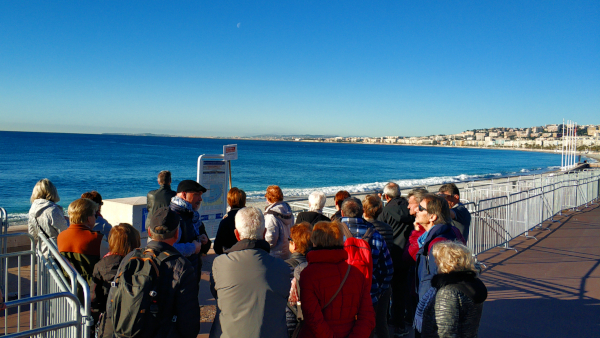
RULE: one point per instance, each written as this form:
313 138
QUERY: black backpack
133 304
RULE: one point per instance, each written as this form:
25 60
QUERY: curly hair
274 194
453 256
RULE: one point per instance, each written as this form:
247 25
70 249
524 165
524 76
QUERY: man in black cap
186 204
177 290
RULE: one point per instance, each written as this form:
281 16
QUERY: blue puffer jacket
426 267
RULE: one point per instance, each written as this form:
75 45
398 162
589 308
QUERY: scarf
427 298
180 205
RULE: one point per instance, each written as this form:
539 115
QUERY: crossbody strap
340 288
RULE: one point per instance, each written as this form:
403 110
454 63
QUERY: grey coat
278 222
457 308
251 288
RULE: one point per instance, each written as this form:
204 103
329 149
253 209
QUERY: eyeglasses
422 209
290 239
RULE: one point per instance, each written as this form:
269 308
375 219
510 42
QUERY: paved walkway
551 287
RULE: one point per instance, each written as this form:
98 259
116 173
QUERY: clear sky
297 67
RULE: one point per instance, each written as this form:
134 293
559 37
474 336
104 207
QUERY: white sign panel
230 152
213 175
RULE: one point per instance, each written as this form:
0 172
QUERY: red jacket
350 314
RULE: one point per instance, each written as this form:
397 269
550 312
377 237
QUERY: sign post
214 172
230 153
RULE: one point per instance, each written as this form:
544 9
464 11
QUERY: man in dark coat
396 214
177 292
186 205
461 217
160 197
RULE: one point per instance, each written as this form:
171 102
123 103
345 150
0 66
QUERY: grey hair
352 207
316 201
391 190
44 189
418 193
250 223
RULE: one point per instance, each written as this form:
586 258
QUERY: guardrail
52 284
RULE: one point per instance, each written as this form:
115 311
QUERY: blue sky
297 67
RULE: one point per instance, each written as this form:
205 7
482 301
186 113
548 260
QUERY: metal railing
51 298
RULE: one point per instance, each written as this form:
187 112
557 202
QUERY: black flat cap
163 221
190 186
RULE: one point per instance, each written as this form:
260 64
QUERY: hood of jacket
40 205
465 281
281 208
332 255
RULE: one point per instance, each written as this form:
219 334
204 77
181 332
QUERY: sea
125 165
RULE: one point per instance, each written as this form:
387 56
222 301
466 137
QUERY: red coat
350 314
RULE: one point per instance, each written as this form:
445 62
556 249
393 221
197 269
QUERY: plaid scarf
180 205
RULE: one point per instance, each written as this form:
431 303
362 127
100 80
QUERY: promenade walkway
551 287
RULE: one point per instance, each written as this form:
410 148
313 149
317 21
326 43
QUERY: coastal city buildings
548 137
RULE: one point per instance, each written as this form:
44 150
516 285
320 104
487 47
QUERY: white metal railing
47 288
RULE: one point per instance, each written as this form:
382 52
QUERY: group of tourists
358 273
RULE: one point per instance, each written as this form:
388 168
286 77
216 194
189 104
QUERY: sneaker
400 332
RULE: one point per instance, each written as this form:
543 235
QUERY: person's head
326 235
300 238
164 225
450 193
83 211
249 224
391 191
352 207
44 189
236 198
164 177
340 196
191 191
453 256
316 201
372 206
433 210
274 194
123 238
414 198
94 196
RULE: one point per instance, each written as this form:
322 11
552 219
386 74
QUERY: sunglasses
422 209
290 239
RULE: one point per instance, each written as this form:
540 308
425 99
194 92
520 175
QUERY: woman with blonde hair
123 239
335 297
452 307
45 216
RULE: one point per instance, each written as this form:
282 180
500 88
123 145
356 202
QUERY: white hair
250 223
391 190
316 201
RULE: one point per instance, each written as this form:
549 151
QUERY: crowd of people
378 263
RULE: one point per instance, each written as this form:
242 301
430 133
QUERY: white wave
376 186
17 219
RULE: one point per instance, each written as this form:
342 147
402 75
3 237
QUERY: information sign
230 152
214 176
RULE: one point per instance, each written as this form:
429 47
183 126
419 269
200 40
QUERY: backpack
359 252
133 304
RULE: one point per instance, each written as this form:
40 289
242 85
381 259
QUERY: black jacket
104 273
457 308
188 235
159 198
177 295
311 217
225 238
396 214
385 230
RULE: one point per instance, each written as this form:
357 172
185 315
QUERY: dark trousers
381 312
400 291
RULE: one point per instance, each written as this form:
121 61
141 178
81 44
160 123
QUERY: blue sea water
124 166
